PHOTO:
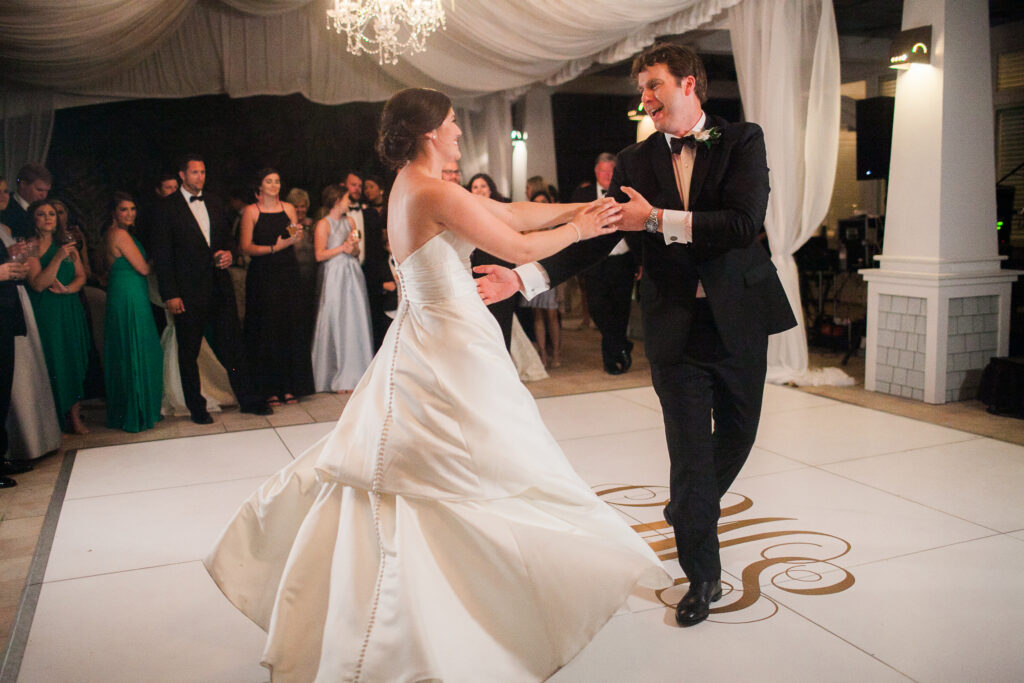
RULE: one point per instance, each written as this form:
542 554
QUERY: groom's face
671 102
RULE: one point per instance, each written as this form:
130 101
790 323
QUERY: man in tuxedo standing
698 190
372 255
610 282
191 253
33 184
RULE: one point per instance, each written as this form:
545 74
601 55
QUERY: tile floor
857 545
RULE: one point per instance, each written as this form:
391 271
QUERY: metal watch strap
651 224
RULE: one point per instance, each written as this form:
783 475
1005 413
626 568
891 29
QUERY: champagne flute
293 229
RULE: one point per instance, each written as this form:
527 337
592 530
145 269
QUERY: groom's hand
498 283
635 211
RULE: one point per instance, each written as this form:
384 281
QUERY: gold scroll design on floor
802 557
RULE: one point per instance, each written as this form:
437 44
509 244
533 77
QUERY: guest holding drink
32 426
56 277
343 340
269 230
133 359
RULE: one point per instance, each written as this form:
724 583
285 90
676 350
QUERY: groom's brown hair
681 62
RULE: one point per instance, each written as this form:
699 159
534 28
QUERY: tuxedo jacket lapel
701 162
189 219
661 160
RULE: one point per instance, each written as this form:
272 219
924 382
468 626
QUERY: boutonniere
708 136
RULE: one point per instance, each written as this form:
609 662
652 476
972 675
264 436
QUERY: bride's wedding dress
438 532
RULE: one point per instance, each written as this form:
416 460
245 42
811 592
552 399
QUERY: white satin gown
438 532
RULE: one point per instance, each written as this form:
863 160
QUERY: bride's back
412 216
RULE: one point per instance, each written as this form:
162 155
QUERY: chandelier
386 28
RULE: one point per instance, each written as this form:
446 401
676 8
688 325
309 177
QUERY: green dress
133 361
64 335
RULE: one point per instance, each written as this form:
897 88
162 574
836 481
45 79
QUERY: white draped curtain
787 65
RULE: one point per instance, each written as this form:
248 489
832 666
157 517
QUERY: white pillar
938 307
539 127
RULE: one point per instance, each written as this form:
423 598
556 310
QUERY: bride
438 532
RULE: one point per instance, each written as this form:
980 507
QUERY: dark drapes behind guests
124 145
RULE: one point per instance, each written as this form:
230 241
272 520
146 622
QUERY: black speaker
1004 215
874 137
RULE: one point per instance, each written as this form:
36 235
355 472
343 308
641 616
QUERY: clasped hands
499 283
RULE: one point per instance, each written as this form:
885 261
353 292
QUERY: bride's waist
437 289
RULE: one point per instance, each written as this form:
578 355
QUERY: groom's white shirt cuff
535 279
676 226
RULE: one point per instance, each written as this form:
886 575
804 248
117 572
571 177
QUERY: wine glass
65 239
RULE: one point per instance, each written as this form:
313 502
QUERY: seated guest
342 342
32 426
268 232
133 360
33 184
56 277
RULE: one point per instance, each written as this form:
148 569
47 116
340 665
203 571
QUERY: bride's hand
599 217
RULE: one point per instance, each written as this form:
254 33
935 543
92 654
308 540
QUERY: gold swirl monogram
801 562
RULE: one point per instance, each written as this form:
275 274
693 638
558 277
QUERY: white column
938 307
539 127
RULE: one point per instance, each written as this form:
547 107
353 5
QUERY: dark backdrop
125 145
586 125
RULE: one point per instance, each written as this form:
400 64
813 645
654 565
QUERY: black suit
185 269
16 218
609 293
707 355
376 272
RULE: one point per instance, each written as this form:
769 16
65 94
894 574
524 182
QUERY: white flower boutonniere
708 136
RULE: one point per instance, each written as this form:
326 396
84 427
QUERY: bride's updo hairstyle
407 116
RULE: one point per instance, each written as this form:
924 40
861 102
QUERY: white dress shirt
21 202
198 210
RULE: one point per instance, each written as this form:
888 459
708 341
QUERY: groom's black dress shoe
696 604
202 418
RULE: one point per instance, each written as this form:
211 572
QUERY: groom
698 189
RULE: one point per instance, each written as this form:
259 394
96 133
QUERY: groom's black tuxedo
707 355
185 269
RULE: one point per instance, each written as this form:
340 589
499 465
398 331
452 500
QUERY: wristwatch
651 224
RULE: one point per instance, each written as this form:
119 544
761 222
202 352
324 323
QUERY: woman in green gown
132 358
56 278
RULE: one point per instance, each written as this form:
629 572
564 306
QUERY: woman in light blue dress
343 341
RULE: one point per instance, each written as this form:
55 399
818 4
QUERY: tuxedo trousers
705 456
503 311
609 295
217 320
6 378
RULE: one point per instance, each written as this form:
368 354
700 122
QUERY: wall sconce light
913 46
637 114
519 136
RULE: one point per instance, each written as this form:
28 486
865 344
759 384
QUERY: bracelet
271 249
579 235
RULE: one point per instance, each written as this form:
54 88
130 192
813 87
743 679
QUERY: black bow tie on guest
677 144
195 198
354 207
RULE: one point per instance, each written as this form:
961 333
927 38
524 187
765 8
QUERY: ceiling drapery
180 48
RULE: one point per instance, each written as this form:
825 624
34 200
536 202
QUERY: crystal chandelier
398 26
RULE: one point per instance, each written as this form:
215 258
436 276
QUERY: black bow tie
354 208
195 198
677 144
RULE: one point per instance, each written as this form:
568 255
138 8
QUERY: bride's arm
524 216
463 214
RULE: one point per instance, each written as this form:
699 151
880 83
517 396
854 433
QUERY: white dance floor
859 546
